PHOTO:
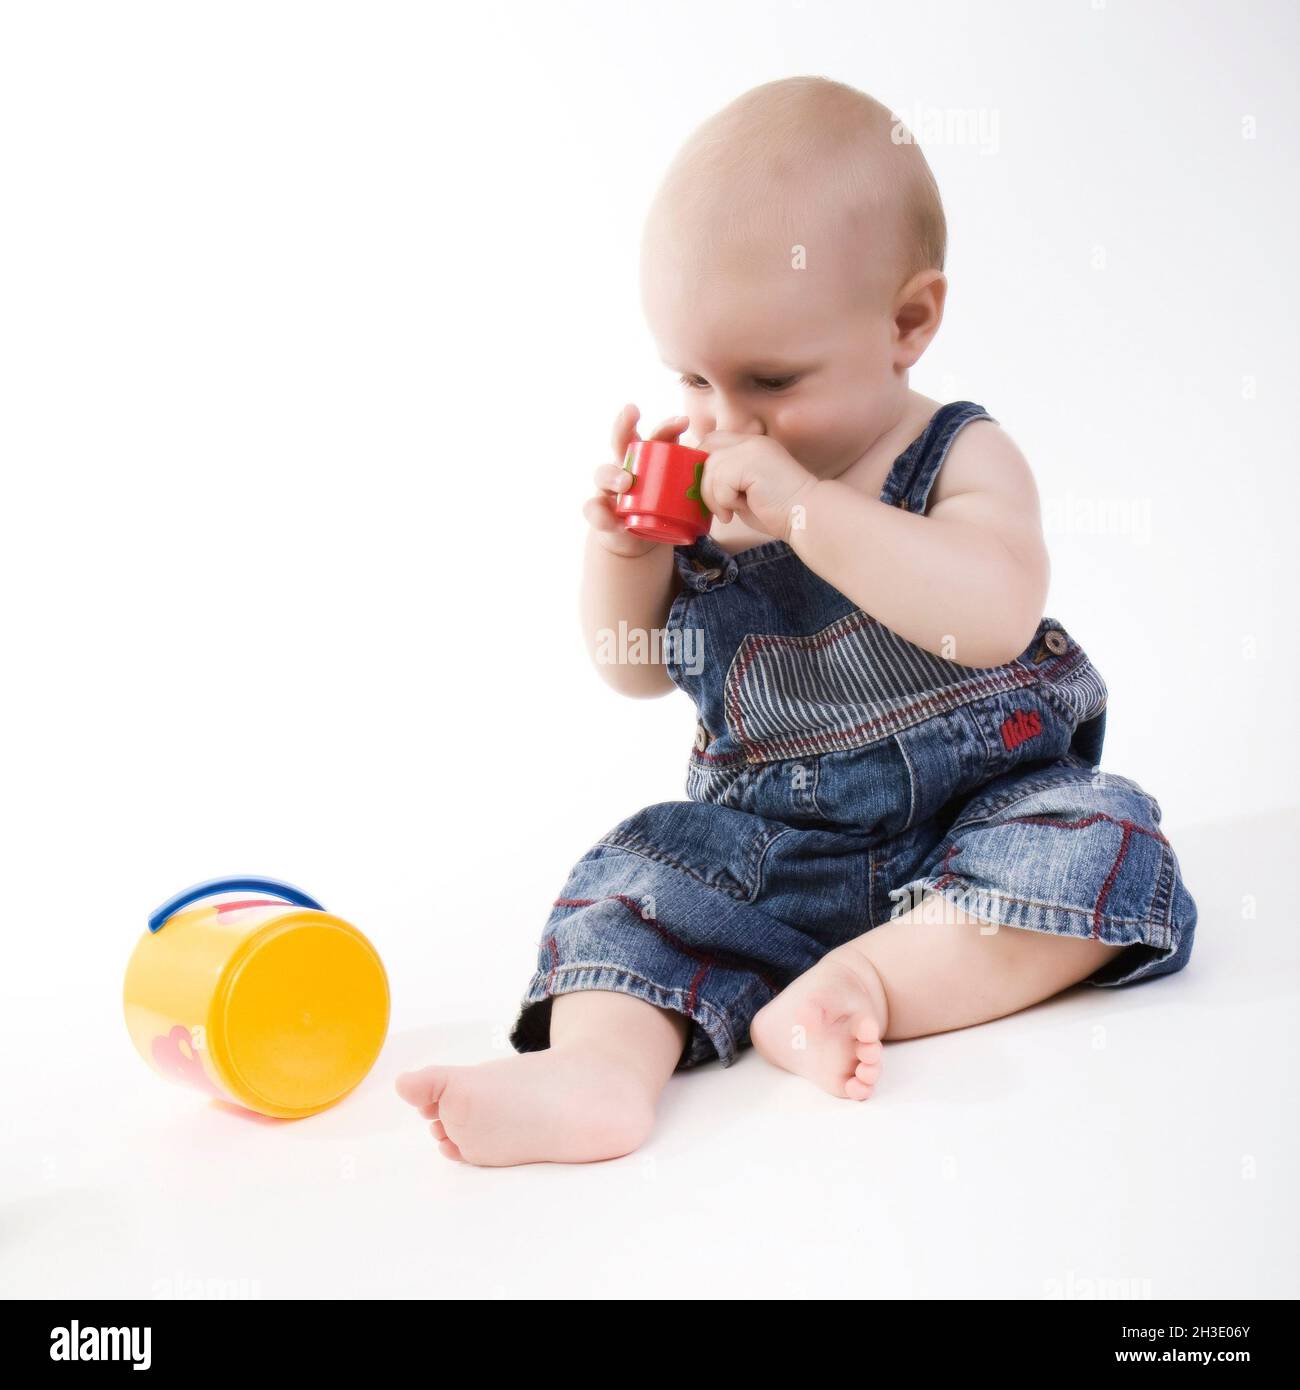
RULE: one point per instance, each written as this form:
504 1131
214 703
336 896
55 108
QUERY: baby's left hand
753 477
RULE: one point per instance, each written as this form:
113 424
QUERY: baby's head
792 269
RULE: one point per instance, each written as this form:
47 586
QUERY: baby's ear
918 314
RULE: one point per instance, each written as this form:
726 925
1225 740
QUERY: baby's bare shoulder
986 482
983 458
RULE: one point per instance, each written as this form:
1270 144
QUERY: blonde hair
788 151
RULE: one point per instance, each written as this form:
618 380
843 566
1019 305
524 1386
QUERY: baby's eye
764 383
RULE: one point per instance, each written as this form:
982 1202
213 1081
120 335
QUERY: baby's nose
738 422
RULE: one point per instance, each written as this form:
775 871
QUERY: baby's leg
590 1095
927 971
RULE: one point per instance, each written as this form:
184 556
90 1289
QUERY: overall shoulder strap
916 468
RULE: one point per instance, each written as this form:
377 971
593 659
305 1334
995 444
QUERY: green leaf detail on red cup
693 492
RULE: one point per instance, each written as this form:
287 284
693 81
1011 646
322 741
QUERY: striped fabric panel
1082 689
851 684
711 783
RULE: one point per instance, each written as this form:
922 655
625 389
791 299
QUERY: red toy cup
664 502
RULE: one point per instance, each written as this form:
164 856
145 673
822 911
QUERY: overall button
705 574
1056 641
701 737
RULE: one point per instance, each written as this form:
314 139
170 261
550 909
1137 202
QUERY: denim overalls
839 772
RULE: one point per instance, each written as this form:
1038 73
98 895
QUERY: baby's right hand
613 478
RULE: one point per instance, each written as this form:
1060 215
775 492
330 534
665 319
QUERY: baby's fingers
599 513
671 428
611 477
624 430
625 434
719 494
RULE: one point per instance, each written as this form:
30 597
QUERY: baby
896 821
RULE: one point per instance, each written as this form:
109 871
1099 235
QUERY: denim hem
709 1037
1158 940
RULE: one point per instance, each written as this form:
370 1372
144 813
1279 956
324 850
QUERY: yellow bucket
278 1006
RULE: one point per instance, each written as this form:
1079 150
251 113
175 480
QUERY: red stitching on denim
1083 824
1129 827
723 961
1110 878
716 757
1019 727
948 854
694 992
555 961
1023 680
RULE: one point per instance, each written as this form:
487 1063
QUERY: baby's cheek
801 428
792 419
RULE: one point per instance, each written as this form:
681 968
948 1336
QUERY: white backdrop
313 318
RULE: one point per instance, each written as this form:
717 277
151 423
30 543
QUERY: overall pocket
718 846
784 791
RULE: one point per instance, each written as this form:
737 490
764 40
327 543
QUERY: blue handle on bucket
274 886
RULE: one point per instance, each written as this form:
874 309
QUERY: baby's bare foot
827 1025
555 1106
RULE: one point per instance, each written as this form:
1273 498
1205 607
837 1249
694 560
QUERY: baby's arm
624 578
967 580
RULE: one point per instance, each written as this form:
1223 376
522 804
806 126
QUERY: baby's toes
866 1028
870 1052
857 1090
868 1073
423 1087
446 1146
